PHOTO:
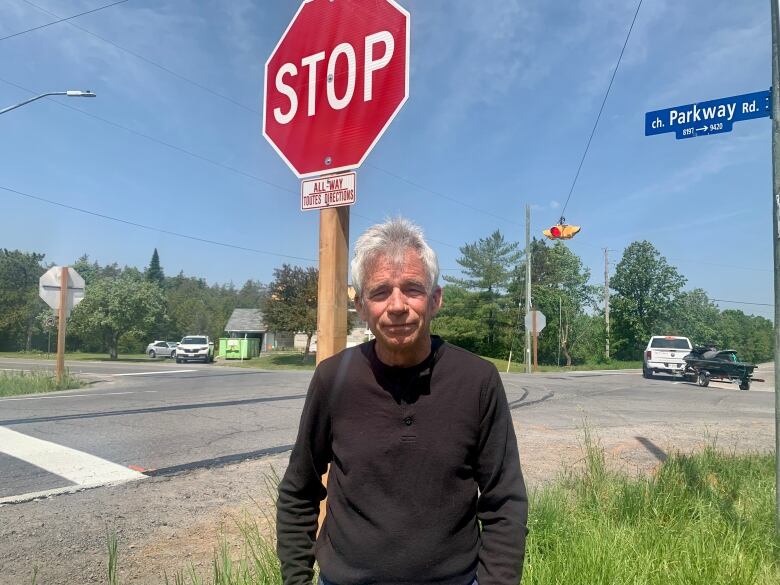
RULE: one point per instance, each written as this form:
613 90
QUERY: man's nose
396 302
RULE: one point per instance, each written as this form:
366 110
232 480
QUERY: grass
16 383
702 519
519 367
75 356
292 360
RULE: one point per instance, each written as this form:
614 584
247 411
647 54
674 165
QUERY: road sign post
535 322
62 288
775 12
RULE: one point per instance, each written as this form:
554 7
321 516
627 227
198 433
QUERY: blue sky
503 96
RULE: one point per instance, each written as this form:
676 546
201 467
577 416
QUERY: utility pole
527 286
606 299
776 231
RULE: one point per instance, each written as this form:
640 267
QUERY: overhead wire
258 113
98 9
601 110
151 228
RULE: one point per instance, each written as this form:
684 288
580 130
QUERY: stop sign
334 82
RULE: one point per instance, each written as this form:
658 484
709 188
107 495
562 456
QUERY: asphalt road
160 418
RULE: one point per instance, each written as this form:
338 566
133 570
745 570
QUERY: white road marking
154 373
76 466
53 396
69 489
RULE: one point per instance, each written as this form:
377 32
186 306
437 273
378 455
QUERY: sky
503 97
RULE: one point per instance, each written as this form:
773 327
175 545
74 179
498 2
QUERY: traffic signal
562 231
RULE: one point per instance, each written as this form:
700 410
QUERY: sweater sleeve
301 489
502 508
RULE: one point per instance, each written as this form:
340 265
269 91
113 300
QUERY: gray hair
392 239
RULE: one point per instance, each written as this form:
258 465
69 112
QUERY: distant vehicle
161 349
664 354
706 363
195 347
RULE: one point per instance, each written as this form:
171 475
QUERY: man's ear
360 308
436 300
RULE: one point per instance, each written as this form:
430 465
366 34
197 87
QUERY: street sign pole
332 284
536 340
775 99
527 286
62 313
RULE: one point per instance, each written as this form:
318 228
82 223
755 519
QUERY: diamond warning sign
330 191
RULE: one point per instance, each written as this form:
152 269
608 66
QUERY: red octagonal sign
335 81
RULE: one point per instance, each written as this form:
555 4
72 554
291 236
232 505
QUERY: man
425 485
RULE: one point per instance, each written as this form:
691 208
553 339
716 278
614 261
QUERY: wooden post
332 292
332 285
62 316
536 338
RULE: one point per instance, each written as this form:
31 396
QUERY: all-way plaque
328 191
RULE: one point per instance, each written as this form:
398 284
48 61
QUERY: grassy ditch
702 519
16 383
75 356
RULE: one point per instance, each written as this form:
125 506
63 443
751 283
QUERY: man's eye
378 295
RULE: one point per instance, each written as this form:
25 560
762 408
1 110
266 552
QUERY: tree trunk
308 345
114 348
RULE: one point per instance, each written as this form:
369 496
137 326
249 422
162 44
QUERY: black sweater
409 448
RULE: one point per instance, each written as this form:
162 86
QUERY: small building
250 324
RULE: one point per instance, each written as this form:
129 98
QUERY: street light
69 93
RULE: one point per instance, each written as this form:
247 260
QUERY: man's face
398 307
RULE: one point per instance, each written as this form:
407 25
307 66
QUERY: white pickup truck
195 347
664 354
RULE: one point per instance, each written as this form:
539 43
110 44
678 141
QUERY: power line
151 228
22 32
743 303
601 109
149 61
259 114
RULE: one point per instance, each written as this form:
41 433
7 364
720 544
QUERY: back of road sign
704 118
49 288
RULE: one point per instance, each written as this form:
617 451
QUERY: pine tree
154 272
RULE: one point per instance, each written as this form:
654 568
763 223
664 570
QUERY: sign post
776 233
62 288
535 322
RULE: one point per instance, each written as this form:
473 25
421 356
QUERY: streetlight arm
32 99
70 93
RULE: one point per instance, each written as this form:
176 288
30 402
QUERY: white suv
665 354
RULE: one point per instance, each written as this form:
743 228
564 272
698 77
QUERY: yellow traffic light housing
562 231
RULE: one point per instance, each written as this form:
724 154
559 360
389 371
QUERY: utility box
239 349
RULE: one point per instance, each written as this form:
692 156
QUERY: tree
291 304
560 289
154 272
647 288
19 301
693 316
488 265
114 307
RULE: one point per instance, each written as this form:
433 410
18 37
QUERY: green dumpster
238 349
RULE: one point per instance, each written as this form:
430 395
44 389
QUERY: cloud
554 204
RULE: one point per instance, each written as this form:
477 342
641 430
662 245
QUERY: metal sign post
776 233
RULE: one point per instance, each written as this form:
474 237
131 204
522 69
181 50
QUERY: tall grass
15 383
702 519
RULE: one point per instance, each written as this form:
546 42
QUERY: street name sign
334 82
541 321
328 191
49 288
705 118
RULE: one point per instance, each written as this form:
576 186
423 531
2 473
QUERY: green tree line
123 310
484 308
